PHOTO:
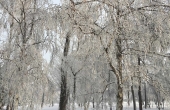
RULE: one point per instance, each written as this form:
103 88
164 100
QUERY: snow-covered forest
85 55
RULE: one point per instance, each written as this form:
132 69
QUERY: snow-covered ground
126 107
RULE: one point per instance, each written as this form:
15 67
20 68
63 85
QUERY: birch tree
119 28
125 38
22 58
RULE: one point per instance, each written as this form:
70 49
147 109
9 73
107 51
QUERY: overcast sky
48 54
56 1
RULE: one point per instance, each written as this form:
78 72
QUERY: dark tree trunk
63 94
146 101
64 89
110 108
133 96
74 91
140 98
8 107
119 75
102 102
139 88
42 103
159 100
93 102
128 99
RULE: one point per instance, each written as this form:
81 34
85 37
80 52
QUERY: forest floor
106 107
126 107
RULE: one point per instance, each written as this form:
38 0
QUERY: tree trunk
64 91
128 99
159 101
139 89
15 102
63 94
146 102
8 107
140 98
74 93
119 75
119 105
133 96
42 102
163 103
118 72
93 102
110 100
102 103
1 91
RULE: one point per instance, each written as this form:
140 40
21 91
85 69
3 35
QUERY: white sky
56 1
46 55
